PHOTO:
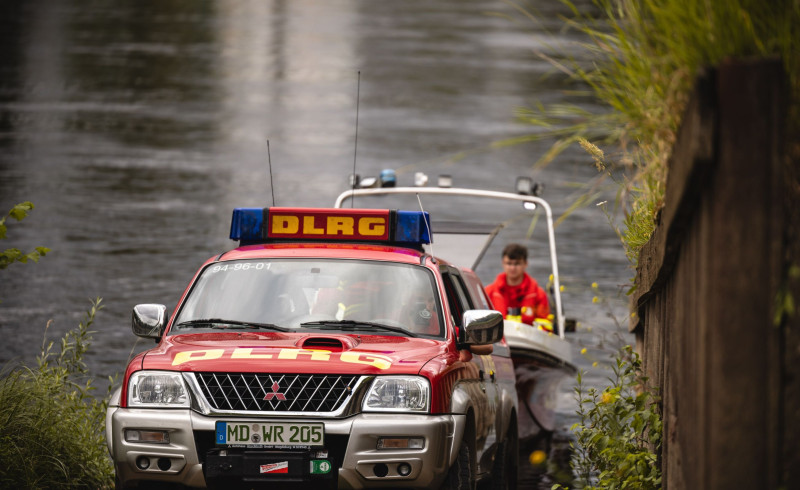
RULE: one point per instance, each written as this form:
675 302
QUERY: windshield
345 295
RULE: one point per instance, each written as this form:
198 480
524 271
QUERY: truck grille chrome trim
272 393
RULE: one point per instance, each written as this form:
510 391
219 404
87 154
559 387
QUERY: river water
135 127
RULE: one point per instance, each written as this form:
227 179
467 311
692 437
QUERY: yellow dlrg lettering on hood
197 355
315 354
377 360
247 353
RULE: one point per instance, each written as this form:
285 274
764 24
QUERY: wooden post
710 285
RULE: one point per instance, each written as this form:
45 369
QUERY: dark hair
515 251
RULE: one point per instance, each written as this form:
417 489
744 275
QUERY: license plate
270 434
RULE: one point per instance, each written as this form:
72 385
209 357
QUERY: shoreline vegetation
51 423
641 60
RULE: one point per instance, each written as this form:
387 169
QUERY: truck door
486 396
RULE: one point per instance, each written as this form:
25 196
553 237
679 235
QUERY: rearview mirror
314 280
482 327
149 320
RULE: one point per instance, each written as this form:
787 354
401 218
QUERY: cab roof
388 253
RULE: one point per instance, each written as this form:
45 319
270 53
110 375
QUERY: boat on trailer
541 354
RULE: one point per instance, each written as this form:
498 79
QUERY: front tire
506 467
462 474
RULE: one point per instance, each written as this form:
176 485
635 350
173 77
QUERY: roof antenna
271 185
355 149
430 235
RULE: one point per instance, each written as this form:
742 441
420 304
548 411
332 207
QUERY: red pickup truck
327 350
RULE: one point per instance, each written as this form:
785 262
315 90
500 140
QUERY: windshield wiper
231 324
357 325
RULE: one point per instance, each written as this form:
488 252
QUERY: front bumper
360 464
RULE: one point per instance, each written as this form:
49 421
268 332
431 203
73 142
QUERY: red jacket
528 296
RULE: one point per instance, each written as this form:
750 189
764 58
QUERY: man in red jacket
514 292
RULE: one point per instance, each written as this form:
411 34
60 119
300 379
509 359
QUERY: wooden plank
708 281
689 166
740 378
788 321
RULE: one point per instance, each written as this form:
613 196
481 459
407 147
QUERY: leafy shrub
619 433
51 426
11 255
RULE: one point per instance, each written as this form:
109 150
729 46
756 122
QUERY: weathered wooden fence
716 283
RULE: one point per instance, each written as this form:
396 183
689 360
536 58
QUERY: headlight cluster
157 389
398 394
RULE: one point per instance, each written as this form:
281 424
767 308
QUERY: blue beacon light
412 227
246 225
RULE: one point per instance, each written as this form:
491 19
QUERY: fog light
148 436
404 469
401 442
380 470
142 462
164 464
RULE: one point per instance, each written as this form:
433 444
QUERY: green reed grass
619 433
641 59
51 425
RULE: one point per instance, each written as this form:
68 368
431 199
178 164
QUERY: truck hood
298 353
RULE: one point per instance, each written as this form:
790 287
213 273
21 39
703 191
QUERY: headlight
157 389
398 394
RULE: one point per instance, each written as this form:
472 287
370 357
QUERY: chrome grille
276 392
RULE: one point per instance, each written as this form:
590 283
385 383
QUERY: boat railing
529 203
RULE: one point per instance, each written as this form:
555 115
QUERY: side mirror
482 327
149 320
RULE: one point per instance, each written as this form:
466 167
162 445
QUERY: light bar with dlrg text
263 225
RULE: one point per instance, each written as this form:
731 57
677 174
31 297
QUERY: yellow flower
595 300
606 398
561 288
583 351
594 285
594 364
537 457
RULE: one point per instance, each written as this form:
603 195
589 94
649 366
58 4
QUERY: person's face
428 301
514 269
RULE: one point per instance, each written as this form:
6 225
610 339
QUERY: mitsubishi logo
275 394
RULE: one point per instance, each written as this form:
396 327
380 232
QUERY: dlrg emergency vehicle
328 350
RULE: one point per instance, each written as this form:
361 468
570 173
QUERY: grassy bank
51 424
643 57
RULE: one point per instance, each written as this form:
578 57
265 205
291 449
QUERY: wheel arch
464 431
